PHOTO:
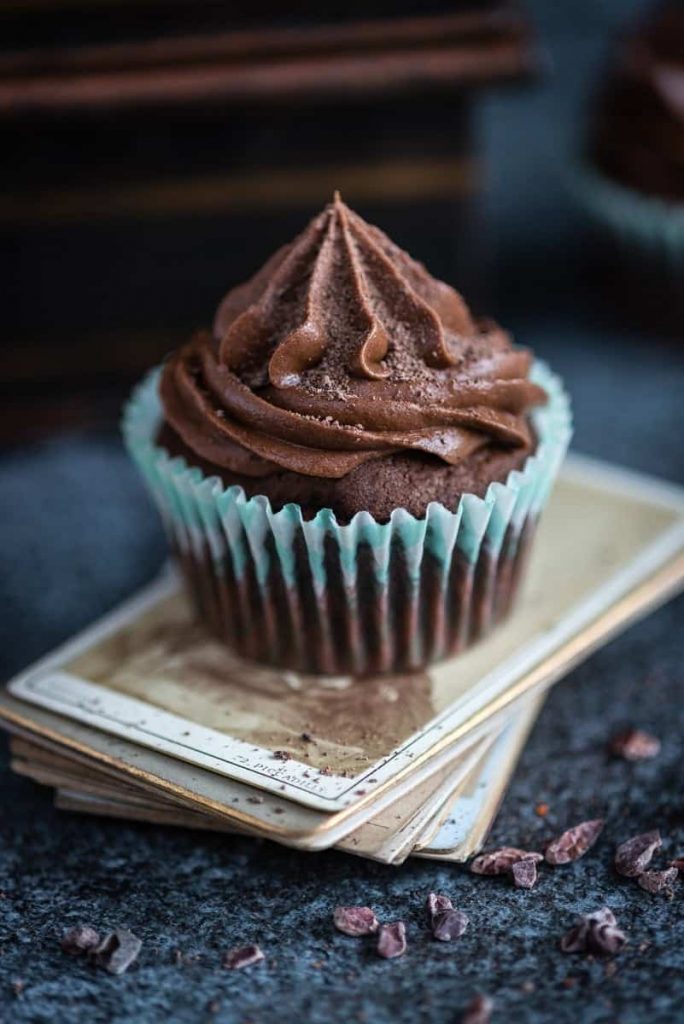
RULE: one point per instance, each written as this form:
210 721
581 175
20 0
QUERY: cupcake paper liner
363 597
640 225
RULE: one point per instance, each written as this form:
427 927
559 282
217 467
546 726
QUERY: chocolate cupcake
632 181
350 465
638 136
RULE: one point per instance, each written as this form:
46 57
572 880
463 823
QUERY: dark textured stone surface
78 535
205 894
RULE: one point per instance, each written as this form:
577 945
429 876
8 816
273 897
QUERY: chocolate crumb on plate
355 920
597 932
659 882
437 903
449 924
500 862
633 856
117 951
574 842
524 873
635 745
79 940
479 1011
242 956
281 755
392 940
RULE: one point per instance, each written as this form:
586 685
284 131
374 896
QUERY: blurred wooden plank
273 42
354 75
415 179
283 65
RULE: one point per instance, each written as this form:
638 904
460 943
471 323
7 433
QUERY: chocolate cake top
638 136
343 349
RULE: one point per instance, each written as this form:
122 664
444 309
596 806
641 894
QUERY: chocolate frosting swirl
639 136
343 349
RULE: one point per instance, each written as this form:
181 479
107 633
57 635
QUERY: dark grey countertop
78 535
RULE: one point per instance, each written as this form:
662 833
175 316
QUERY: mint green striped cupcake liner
643 227
321 597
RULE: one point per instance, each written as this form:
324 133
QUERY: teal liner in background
642 226
240 557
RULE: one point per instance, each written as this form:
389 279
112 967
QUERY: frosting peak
344 298
343 349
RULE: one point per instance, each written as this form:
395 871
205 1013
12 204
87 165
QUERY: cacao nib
574 843
392 940
500 862
437 903
355 920
597 932
635 745
117 951
242 956
633 856
79 940
479 1011
281 755
524 873
449 924
657 882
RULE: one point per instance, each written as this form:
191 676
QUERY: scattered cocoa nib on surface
633 856
448 925
659 882
597 932
355 920
436 903
117 951
574 843
500 862
79 940
392 940
242 956
635 745
524 873
479 1011
281 755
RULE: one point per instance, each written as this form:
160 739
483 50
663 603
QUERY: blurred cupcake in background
632 180
349 465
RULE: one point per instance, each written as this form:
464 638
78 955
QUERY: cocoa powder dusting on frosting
343 349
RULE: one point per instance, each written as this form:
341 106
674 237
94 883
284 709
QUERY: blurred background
155 153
